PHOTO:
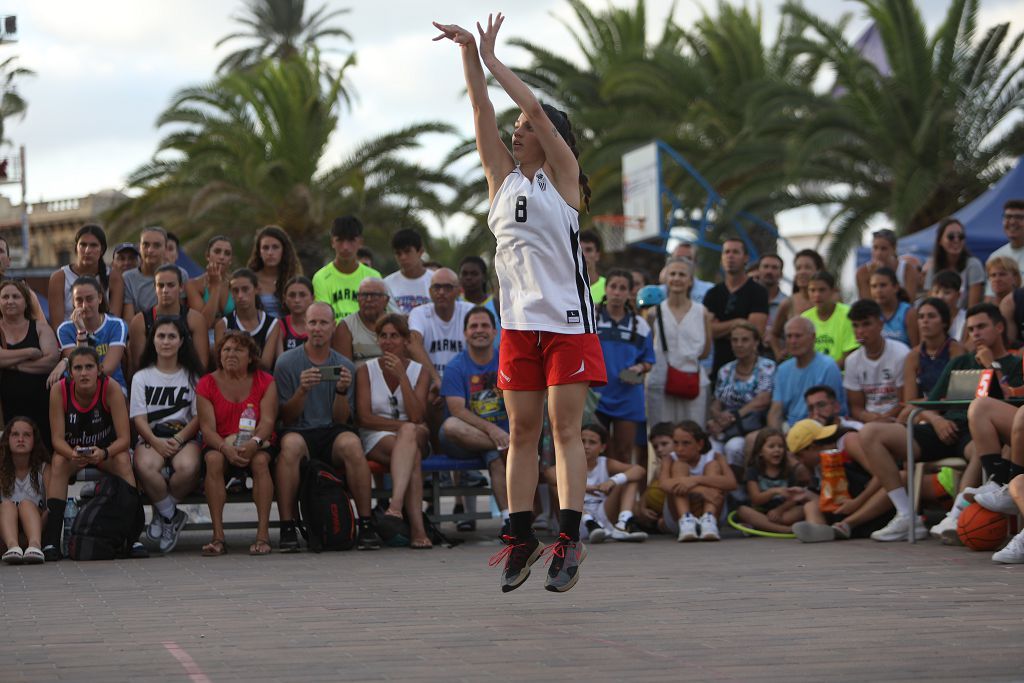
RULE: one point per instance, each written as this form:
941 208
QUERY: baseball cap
805 432
127 245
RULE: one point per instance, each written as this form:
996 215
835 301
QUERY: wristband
619 478
106 454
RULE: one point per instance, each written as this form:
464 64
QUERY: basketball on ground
981 529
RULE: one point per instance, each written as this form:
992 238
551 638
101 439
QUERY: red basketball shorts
534 361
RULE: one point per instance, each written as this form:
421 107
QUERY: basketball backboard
641 193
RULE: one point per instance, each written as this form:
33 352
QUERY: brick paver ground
738 610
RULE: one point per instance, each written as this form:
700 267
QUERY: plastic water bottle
70 512
246 425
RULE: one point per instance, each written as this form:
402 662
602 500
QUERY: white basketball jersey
541 273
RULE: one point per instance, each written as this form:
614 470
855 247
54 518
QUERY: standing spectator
874 372
91 325
685 249
365 256
769 275
804 369
275 263
126 257
410 284
806 263
695 480
237 386
356 336
249 318
168 305
391 395
899 317
683 337
209 293
924 364
316 417
338 281
833 333
173 247
163 410
1003 277
90 246
590 243
139 287
22 492
476 290
906 269
628 355
1013 227
28 353
437 328
298 295
733 300
951 253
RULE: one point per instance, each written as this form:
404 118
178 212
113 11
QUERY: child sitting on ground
652 502
695 482
612 488
776 500
22 458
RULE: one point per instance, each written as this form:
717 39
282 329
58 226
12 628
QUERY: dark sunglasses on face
954 236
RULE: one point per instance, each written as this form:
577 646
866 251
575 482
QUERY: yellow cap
805 432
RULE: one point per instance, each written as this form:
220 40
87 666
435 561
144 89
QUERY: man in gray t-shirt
314 386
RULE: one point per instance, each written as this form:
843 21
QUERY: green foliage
11 103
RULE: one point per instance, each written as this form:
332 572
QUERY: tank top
383 402
929 369
229 308
539 262
265 323
596 476
91 425
23 393
290 339
895 327
364 341
698 469
149 317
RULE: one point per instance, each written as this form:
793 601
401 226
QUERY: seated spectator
28 353
169 304
126 257
743 395
338 281
611 491
249 318
951 253
776 499
163 410
90 246
298 296
89 423
874 372
1013 552
695 482
906 269
628 356
316 417
924 364
437 327
937 435
1013 228
833 333
409 286
823 405
899 318
356 336
946 286
237 406
649 508
22 493
91 325
478 423
806 263
683 337
1003 277
139 287
391 396
476 288
806 368
735 299
209 293
275 263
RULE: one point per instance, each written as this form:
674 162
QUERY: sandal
260 547
215 548
14 555
33 555
425 544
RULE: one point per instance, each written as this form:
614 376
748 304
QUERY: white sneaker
898 529
971 491
1013 553
629 532
687 529
945 530
200 514
709 527
997 501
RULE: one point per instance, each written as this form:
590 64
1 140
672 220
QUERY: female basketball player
548 344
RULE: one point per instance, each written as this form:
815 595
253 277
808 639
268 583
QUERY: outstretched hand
454 33
489 36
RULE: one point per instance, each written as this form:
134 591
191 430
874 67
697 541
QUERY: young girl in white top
695 483
22 459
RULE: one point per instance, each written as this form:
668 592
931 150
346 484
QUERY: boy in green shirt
833 331
338 282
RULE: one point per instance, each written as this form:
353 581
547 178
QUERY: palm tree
248 149
280 29
919 141
11 103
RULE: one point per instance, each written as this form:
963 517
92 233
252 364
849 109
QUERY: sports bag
325 507
108 523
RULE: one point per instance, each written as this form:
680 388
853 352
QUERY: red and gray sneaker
518 556
566 557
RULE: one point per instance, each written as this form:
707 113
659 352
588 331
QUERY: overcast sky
107 68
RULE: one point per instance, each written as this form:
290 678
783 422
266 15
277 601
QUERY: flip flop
215 548
421 545
260 547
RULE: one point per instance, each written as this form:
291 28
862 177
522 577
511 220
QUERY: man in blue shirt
804 370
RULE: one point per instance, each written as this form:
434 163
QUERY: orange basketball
981 529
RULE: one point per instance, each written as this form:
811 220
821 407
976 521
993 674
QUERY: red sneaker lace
506 552
557 549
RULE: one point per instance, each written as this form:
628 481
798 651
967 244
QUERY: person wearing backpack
316 411
90 427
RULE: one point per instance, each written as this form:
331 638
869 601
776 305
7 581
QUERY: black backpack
108 523
325 506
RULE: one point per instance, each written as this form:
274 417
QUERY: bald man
437 327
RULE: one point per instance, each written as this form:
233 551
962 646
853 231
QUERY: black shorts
931 447
320 440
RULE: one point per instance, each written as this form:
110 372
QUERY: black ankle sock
520 525
287 524
54 521
995 468
569 523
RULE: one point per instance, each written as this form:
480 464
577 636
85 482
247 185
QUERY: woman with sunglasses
951 253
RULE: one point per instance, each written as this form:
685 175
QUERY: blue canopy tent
982 218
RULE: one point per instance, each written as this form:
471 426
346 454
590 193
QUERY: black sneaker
506 531
598 534
566 557
51 553
368 538
289 540
466 525
518 557
138 551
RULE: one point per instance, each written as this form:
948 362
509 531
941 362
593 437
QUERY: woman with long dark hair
951 253
275 263
90 246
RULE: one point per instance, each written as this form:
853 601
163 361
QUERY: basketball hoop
613 228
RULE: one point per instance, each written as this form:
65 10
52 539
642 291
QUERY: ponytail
561 122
